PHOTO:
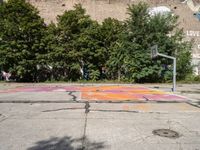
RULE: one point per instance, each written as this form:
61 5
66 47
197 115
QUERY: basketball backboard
154 51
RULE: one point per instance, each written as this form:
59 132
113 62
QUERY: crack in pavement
74 100
146 99
114 110
3 120
74 97
34 101
194 104
128 111
87 110
101 110
191 92
87 106
170 122
63 109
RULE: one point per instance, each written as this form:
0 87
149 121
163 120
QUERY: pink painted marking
164 97
40 89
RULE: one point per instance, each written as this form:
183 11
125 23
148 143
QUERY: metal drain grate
166 133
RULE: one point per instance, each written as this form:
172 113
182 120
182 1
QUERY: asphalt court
108 117
97 93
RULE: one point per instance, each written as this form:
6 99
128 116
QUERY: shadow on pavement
67 143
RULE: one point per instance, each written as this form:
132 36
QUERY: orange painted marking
122 93
107 96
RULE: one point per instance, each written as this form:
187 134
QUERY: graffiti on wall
193 33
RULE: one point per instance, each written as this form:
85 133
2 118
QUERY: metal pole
174 75
163 55
174 69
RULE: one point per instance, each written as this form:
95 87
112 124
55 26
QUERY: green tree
111 30
21 30
92 51
131 56
95 45
62 51
76 43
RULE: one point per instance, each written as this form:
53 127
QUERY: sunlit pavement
94 117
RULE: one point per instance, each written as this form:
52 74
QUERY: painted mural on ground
104 93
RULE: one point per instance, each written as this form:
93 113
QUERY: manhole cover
166 133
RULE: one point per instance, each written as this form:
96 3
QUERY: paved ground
78 93
191 91
77 117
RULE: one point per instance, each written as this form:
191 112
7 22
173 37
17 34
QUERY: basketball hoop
155 53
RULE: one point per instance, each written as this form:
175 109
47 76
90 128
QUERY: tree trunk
119 74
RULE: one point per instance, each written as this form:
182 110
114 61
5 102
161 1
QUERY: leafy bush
21 31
